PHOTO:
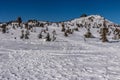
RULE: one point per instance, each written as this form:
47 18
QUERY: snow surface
67 58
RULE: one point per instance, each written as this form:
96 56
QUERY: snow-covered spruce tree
53 38
34 28
22 34
71 32
46 28
88 34
68 30
13 27
48 37
7 30
76 29
30 28
116 34
27 34
26 26
57 24
65 34
83 15
53 33
44 31
91 19
78 25
63 28
3 28
40 35
104 31
41 25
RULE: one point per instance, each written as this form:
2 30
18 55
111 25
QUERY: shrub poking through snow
76 29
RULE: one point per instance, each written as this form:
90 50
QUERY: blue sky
58 10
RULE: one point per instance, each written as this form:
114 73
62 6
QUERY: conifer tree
54 33
40 35
88 34
48 37
19 20
26 35
22 34
63 28
65 34
4 29
104 32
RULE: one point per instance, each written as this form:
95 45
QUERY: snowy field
69 58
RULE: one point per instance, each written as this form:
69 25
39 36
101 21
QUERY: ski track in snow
75 61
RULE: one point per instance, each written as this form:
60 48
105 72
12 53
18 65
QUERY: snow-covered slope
67 58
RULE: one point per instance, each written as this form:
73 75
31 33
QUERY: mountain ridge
71 20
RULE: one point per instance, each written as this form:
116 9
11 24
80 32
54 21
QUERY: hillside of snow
66 58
